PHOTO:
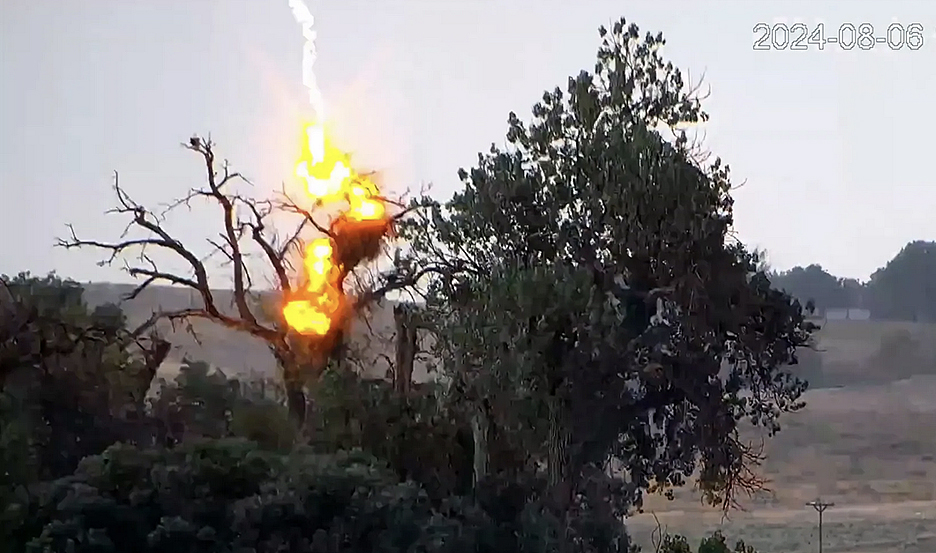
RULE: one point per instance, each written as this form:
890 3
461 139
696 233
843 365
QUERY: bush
716 543
199 403
225 496
213 496
418 438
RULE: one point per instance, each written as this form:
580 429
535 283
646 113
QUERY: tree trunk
296 403
405 354
480 431
559 480
294 386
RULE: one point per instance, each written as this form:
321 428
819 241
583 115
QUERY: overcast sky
833 146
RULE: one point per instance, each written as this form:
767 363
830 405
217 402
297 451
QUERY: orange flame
329 178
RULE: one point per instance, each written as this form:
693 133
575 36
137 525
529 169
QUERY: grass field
871 450
908 527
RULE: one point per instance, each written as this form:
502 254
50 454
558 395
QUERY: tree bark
294 386
296 403
480 431
405 354
558 476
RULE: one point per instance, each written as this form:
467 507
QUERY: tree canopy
905 288
587 272
902 290
816 286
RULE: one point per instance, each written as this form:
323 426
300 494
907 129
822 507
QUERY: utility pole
820 507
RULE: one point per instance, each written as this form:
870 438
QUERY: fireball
328 179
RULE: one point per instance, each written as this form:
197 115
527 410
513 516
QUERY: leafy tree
71 371
420 439
905 288
70 384
716 543
815 285
855 293
587 279
200 403
601 335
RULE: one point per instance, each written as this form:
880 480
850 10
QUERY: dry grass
908 527
871 450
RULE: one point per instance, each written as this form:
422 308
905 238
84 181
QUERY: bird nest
357 242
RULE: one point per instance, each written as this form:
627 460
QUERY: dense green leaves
229 496
420 440
588 273
65 366
905 288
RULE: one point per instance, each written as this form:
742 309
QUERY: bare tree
246 228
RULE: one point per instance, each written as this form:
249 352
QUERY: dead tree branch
245 225
235 229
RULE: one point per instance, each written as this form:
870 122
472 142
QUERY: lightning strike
328 178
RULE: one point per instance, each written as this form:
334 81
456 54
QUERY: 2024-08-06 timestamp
799 36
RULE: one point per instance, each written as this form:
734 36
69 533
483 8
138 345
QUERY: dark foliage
588 279
226 496
905 288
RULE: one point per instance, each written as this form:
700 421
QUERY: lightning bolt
328 177
309 54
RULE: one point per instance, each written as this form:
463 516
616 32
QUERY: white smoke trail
306 20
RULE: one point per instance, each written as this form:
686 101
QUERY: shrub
716 543
226 496
419 439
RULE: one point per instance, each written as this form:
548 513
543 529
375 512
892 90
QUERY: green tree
71 370
203 403
905 288
69 384
716 543
229 495
420 439
587 279
815 285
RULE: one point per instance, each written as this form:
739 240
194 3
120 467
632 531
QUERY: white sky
832 145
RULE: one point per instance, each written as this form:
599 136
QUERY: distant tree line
903 290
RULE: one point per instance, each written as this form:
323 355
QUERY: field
870 451
906 527
866 440
868 446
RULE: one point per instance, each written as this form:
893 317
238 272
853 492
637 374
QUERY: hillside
237 353
850 353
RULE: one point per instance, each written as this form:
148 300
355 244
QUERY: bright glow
328 178
309 54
